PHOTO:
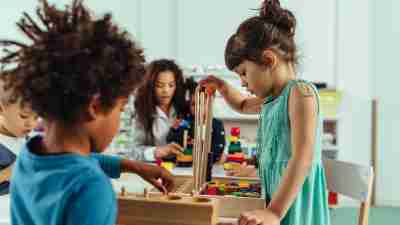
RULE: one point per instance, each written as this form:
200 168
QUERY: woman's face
165 88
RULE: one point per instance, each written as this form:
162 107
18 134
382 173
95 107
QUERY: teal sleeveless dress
274 151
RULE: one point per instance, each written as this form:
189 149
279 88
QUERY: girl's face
165 88
258 79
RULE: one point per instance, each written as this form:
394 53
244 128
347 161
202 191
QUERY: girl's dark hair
191 86
72 58
146 99
274 28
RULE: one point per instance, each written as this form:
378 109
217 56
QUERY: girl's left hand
259 217
243 171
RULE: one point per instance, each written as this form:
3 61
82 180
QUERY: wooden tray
229 206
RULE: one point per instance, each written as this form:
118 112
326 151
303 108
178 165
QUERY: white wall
158 28
368 46
124 14
316 28
354 79
386 84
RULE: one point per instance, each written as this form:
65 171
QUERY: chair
352 180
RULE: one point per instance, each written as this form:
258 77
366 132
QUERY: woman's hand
167 150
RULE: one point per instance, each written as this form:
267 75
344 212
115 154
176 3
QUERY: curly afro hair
72 57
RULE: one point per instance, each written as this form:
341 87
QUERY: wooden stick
203 129
123 191
207 136
196 108
209 122
196 146
374 144
185 136
201 141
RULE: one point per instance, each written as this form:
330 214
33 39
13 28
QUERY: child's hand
176 123
212 83
159 177
243 171
259 217
167 150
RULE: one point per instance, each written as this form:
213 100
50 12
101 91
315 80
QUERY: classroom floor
377 216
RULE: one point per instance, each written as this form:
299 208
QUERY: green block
234 148
188 151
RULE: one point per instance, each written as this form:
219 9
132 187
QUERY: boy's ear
94 108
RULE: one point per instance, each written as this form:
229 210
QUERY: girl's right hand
213 83
167 150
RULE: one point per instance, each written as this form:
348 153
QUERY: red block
238 157
235 131
332 198
212 190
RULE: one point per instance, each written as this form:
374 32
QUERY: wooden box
157 209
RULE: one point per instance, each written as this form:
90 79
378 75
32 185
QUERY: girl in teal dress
263 54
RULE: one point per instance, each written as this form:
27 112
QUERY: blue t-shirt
63 189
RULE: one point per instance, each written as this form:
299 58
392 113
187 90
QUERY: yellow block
184 158
244 184
231 166
233 139
213 184
168 165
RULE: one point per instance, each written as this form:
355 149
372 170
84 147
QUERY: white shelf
244 117
331 119
330 148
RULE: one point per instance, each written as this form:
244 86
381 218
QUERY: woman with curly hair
159 101
77 74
